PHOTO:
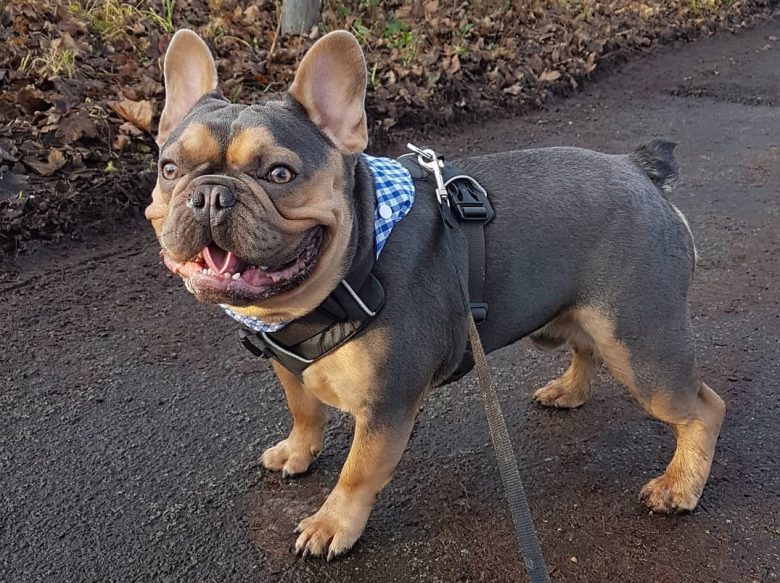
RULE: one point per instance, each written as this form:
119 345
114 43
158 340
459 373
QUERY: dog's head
253 204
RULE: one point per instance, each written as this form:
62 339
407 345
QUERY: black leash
527 539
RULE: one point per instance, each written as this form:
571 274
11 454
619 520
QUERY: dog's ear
190 73
330 84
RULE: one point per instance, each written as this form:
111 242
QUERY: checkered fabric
394 192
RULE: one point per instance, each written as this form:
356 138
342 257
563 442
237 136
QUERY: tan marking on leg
571 389
696 424
695 417
338 524
293 455
614 353
347 378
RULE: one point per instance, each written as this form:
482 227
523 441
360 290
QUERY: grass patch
108 18
55 61
164 18
111 19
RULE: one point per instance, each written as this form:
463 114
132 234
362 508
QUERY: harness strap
343 315
472 211
527 540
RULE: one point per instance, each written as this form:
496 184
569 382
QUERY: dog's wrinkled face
252 205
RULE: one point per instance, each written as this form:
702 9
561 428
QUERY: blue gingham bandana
394 192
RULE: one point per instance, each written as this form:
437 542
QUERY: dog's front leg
380 439
294 455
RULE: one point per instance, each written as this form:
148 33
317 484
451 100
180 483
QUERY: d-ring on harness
507 463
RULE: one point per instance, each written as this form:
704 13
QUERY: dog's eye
280 175
170 171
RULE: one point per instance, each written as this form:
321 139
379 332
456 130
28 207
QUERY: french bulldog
264 208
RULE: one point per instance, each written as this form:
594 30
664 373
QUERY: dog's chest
336 378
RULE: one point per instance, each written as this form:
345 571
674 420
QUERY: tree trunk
298 16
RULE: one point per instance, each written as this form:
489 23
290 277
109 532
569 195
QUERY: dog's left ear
190 73
330 84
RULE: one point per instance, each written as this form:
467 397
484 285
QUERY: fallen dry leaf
76 126
55 161
549 75
31 100
130 129
138 113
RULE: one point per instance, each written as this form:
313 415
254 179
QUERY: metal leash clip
430 161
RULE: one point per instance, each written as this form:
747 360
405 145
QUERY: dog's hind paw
663 494
289 457
559 394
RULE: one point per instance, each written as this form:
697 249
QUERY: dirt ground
133 419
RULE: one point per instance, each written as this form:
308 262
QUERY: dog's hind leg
294 455
654 358
696 417
571 389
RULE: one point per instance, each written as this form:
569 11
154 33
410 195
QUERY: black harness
360 296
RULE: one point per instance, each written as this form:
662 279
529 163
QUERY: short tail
656 158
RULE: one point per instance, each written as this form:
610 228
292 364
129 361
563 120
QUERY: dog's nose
209 201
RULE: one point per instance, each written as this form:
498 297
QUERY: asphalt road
131 419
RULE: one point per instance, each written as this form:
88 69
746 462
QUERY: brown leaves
138 113
76 126
31 100
54 162
428 61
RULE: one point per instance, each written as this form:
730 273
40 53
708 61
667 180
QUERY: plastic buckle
471 212
246 337
470 207
479 311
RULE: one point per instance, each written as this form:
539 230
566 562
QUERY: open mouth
217 275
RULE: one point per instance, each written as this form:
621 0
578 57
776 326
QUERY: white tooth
226 275
263 267
236 275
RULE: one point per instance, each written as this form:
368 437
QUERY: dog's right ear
190 73
330 84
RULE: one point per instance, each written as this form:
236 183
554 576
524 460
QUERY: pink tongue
219 260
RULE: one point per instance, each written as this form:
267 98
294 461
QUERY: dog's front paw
664 494
290 457
561 395
332 530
